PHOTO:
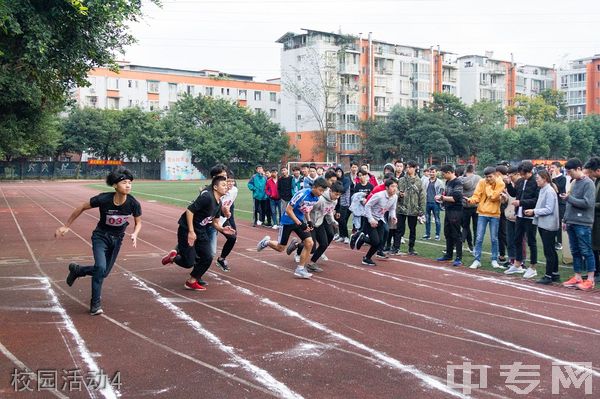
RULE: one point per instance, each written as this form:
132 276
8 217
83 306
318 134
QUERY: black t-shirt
205 208
359 188
454 189
114 219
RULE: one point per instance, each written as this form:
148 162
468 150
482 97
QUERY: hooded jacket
413 202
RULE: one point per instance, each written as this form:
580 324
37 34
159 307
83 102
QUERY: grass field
182 193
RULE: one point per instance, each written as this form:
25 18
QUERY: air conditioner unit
92 90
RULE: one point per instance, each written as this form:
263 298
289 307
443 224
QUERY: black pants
401 228
229 239
452 226
386 233
549 251
502 235
376 236
344 215
322 236
597 260
262 211
199 257
561 214
525 227
469 218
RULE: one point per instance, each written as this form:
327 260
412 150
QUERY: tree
556 98
36 135
216 130
93 130
582 139
486 116
47 48
559 140
140 134
533 110
533 143
593 122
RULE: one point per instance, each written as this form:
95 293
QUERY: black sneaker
360 241
412 252
353 239
202 282
545 280
292 246
386 249
313 267
368 262
222 263
555 277
73 273
96 308
381 255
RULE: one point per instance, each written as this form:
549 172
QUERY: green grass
182 193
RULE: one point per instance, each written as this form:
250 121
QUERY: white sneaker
297 258
402 240
275 227
346 240
262 244
258 223
476 264
514 270
529 273
496 265
324 257
302 273
336 237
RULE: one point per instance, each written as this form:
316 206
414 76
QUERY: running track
383 332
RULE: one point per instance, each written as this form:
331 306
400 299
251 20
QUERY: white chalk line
106 390
140 335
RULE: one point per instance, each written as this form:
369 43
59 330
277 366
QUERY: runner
115 210
293 220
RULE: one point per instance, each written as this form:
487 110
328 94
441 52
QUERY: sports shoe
443 259
402 241
514 270
476 264
168 258
336 237
360 241
353 240
558 246
381 255
222 263
497 265
457 262
368 262
529 273
426 237
572 282
471 249
292 246
301 272
96 308
412 252
586 285
346 240
195 286
437 238
313 267
556 277
597 278
275 227
202 282
501 259
259 223
386 249
267 224
297 258
396 252
73 273
324 257
544 280
262 244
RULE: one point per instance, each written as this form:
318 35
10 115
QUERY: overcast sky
238 36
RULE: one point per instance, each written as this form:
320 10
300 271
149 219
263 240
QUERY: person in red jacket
274 199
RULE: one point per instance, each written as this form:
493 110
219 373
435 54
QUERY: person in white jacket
375 209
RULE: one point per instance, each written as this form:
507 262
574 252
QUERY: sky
238 36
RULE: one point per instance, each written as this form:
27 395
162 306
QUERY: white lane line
105 389
261 375
23 368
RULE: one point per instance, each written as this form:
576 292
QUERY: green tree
559 140
140 134
582 139
593 122
534 110
557 99
533 143
46 49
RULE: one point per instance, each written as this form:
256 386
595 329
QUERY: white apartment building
580 82
154 88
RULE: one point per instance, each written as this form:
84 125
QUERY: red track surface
383 332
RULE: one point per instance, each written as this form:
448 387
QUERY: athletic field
399 330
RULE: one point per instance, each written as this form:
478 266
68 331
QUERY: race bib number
116 220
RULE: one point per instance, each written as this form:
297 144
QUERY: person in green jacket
411 205
256 185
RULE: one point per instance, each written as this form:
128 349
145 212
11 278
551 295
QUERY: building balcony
346 69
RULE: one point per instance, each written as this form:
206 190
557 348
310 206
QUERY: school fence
48 170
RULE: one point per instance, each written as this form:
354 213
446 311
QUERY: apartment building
154 88
485 78
331 82
580 82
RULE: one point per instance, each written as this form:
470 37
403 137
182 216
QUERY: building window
208 91
273 113
190 90
130 103
153 86
257 110
242 94
299 97
112 84
273 96
130 83
91 101
257 96
299 77
298 137
112 102
153 105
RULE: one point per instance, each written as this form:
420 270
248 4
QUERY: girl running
115 210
